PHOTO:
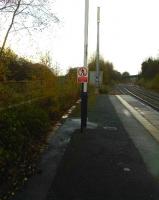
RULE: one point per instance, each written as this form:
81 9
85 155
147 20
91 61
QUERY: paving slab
147 145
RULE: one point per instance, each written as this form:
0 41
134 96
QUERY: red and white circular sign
82 75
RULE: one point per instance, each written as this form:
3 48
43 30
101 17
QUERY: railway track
148 97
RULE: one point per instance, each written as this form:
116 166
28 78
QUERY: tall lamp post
84 95
97 53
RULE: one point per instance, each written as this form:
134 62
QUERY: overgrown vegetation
21 132
149 76
31 97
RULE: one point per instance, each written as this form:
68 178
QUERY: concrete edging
152 129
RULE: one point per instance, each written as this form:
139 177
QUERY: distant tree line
15 68
110 75
149 76
150 68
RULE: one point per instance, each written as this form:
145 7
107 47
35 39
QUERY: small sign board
82 75
93 79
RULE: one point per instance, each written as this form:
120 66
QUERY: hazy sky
129 33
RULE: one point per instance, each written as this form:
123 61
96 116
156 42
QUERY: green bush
104 89
155 83
20 128
152 84
23 129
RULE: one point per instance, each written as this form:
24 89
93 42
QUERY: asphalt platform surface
103 163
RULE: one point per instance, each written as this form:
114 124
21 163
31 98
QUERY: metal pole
84 95
97 53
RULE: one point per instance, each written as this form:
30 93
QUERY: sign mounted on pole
82 75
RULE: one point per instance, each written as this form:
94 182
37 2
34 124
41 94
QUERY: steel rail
151 96
143 100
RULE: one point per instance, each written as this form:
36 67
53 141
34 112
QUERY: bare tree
26 15
10 26
46 59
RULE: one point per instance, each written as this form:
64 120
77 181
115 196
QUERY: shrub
155 83
23 126
104 89
150 84
20 128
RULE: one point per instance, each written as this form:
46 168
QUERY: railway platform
109 161
116 158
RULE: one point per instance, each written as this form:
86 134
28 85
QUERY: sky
129 34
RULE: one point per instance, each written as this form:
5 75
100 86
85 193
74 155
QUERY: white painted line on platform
152 129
